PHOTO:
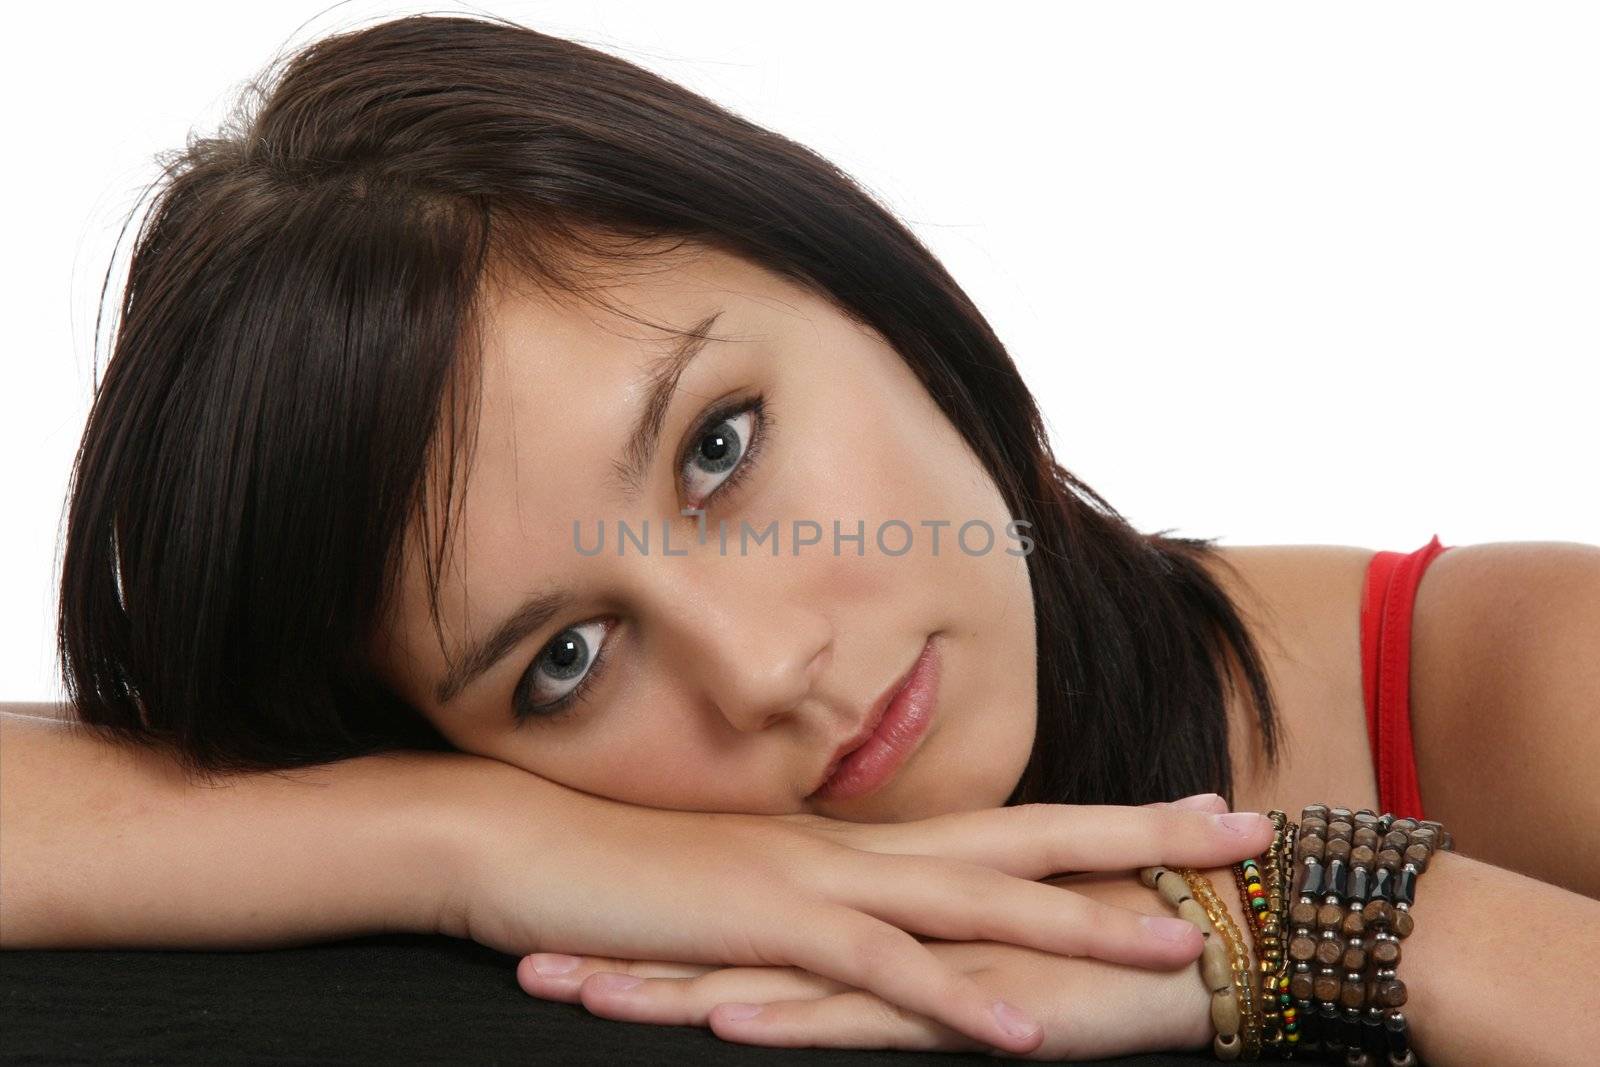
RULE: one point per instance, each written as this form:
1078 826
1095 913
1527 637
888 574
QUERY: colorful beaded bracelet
1265 895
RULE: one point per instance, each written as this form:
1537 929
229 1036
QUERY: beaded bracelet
1217 958
1268 903
1370 859
1366 888
1238 959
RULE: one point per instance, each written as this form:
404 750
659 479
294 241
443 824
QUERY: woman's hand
1090 1009
840 900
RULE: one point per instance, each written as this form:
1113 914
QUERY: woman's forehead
554 368
640 298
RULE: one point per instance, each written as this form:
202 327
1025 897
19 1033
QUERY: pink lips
903 725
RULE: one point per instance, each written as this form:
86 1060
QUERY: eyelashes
728 441
737 432
572 649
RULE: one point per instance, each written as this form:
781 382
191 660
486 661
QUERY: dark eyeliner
558 708
563 706
760 430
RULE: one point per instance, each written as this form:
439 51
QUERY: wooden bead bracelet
1238 958
1364 867
1224 961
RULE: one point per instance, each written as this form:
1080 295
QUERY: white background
1278 273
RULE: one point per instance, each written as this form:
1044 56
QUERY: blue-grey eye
717 452
562 664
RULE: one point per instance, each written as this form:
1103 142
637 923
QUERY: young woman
534 458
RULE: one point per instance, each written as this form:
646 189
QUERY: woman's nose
761 659
749 646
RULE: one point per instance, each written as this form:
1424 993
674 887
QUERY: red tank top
1392 579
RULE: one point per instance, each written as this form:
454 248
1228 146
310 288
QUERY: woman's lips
903 725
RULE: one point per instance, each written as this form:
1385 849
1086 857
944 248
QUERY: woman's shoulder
1312 591
58 712
1302 605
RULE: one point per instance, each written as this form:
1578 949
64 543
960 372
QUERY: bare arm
108 846
1500 966
1505 687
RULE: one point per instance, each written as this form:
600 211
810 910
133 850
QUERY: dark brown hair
291 353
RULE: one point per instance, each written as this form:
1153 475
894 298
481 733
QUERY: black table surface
389 999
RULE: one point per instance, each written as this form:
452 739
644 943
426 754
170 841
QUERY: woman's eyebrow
660 385
534 612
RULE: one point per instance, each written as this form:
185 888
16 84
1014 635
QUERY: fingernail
739 1012
1169 929
1198 802
614 983
1243 823
553 963
1013 1021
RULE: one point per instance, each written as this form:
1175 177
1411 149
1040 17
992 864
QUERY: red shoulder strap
1386 604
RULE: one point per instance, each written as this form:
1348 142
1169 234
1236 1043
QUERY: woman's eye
716 455
562 670
722 453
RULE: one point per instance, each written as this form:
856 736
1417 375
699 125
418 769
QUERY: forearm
106 845
1499 968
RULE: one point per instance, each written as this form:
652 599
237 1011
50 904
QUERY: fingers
680 1001
866 835
1036 841
846 1020
795 1009
1212 802
1114 838
841 943
556 976
956 901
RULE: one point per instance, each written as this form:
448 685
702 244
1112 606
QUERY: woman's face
716 675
